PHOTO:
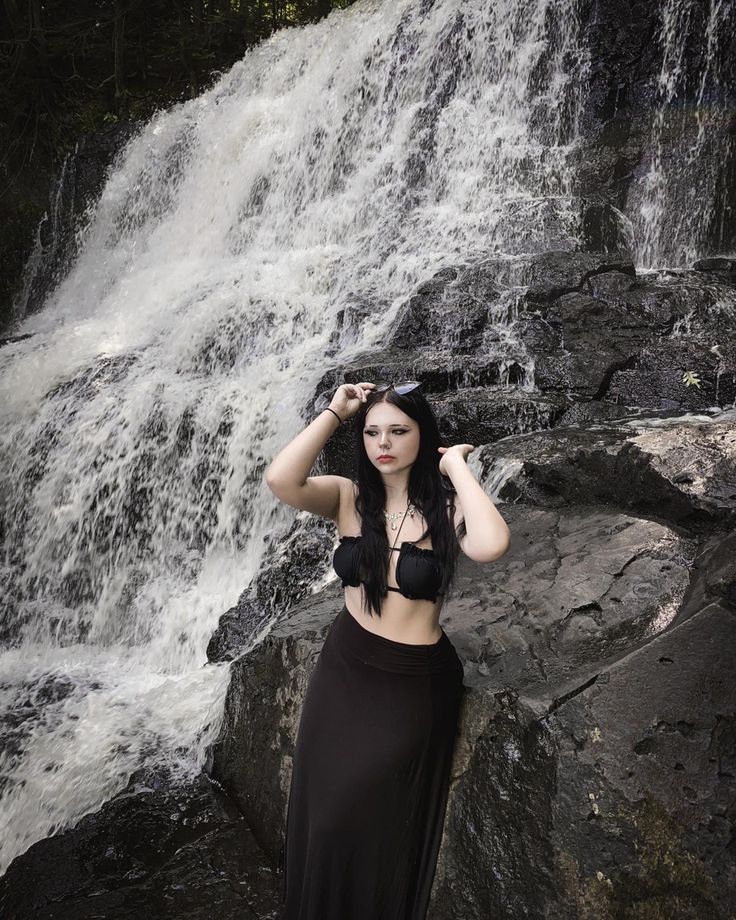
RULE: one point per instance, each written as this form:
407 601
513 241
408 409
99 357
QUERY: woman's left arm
487 536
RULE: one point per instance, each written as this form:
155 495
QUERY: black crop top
418 571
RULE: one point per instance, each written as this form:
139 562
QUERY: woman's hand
457 450
348 397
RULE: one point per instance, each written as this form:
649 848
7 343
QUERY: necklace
411 510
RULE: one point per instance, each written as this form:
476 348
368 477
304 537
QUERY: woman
378 725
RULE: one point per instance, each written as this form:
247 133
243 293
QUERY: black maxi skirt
370 777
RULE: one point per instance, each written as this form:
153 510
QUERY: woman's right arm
287 476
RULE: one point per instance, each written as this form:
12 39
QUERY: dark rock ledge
156 850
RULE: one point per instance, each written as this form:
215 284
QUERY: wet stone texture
156 850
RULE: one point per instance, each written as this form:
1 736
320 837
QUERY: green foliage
690 378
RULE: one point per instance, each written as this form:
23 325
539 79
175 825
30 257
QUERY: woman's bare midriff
415 622
402 622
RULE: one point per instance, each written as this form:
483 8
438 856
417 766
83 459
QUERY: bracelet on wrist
334 413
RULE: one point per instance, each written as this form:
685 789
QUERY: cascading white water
336 165
690 143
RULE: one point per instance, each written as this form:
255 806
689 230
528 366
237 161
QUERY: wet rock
253 756
479 415
720 264
581 324
655 377
578 588
714 576
631 341
157 849
453 307
554 274
287 574
644 785
680 471
581 414
603 229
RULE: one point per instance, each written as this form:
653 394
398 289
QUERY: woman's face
388 430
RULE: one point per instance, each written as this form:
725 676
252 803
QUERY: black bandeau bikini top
418 571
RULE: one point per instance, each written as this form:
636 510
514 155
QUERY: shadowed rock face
644 778
152 851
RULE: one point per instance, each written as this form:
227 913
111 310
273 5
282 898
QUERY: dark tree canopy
67 68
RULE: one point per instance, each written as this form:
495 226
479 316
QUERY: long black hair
429 491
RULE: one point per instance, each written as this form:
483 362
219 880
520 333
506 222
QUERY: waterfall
244 242
683 200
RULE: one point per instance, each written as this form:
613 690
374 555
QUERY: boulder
619 558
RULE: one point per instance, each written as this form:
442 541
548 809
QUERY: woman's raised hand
450 454
348 398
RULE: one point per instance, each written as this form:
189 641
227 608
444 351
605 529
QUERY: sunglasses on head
406 386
